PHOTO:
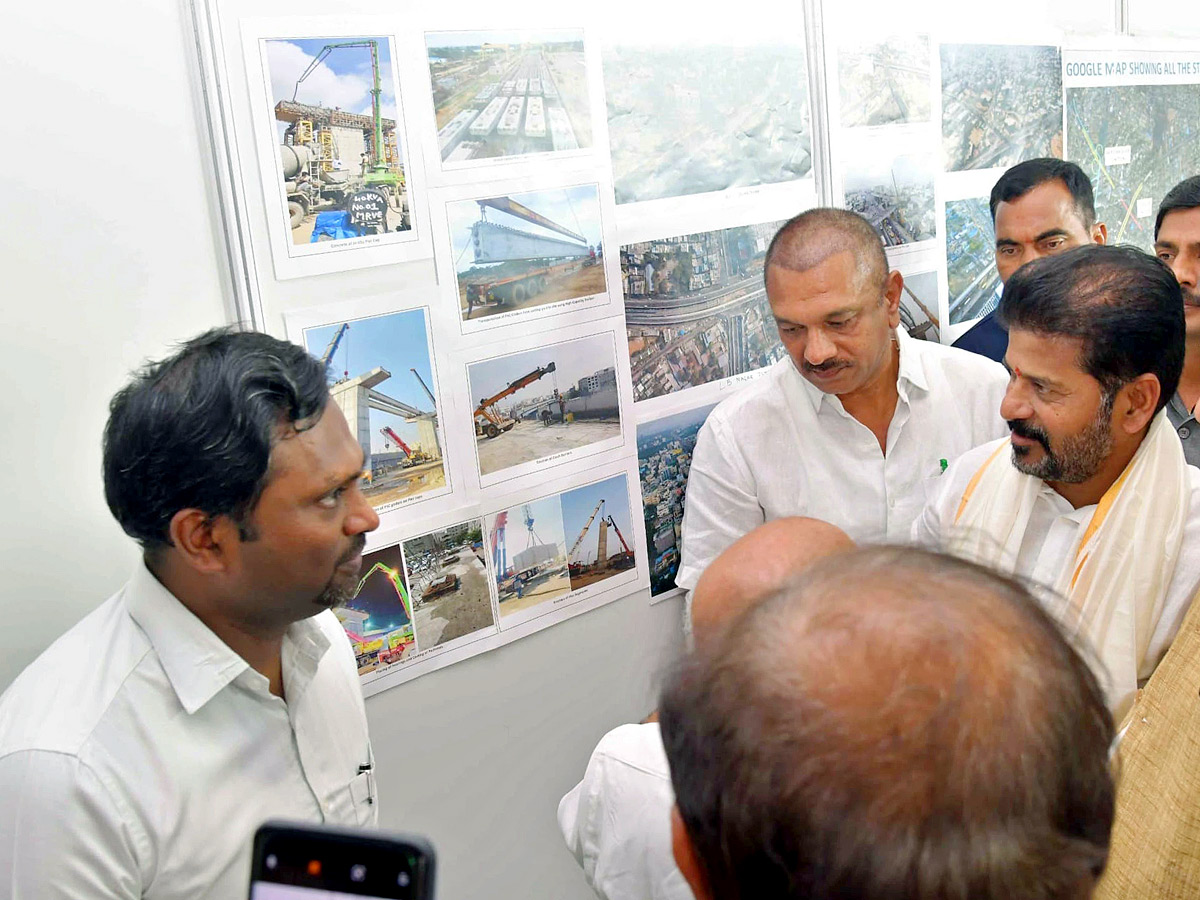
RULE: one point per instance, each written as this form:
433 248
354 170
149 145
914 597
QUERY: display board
577 212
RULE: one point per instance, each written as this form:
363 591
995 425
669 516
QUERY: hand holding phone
295 861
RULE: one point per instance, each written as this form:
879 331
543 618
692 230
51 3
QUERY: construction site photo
448 581
545 401
341 157
526 250
496 94
398 430
597 516
378 618
529 555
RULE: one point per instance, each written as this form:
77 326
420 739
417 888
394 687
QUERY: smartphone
314 862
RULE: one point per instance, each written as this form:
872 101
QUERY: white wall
110 255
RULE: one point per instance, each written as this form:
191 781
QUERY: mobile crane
412 456
489 422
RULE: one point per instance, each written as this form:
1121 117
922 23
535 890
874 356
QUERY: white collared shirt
139 753
1054 530
617 820
783 447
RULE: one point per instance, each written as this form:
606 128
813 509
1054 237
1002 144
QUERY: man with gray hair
856 424
896 725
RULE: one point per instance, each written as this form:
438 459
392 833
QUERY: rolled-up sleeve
62 834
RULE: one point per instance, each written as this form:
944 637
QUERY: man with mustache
1177 243
216 689
856 425
1090 496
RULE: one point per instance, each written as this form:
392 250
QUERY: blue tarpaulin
335 224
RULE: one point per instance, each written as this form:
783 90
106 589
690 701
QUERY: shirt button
1185 432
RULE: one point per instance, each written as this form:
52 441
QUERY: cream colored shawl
1112 588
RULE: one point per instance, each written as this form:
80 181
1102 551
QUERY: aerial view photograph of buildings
664 448
379 617
508 93
688 120
448 584
696 310
1158 125
974 283
529 554
918 306
1000 104
544 401
884 82
381 365
341 157
596 520
526 250
892 192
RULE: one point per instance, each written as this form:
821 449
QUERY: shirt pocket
363 799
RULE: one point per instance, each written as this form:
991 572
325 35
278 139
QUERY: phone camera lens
403 879
358 873
272 861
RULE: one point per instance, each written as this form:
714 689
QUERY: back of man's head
1185 195
195 430
893 725
757 564
807 240
1025 176
1124 305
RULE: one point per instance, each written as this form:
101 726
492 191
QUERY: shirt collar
1176 406
912 372
197 662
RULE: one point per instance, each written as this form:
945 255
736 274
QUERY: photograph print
381 376
342 162
448 580
378 617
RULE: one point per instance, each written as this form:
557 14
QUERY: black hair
1025 176
1125 305
195 430
1185 195
893 724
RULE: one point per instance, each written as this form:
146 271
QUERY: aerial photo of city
664 459
973 281
501 94
688 120
696 310
1161 126
893 193
884 82
1000 104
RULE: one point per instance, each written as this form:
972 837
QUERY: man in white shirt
1090 497
856 424
616 821
139 753
894 724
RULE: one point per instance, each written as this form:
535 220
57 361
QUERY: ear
201 541
1138 402
893 290
685 857
1100 233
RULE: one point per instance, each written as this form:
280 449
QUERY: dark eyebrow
1006 242
1166 245
1053 232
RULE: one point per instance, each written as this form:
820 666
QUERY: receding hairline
817 235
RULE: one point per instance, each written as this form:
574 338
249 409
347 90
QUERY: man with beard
1090 496
216 689
1177 243
856 424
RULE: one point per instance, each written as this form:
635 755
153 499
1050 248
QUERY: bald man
932 736
856 424
616 821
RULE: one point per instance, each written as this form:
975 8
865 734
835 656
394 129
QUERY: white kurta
1052 536
617 820
783 447
138 753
